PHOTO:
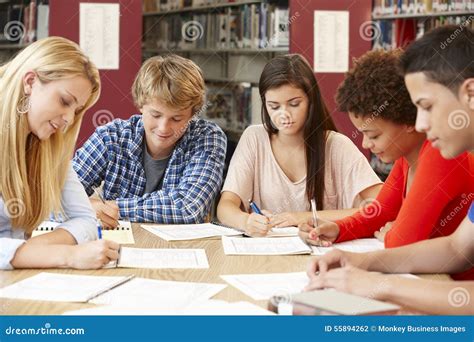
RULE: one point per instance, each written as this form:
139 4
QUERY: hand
353 280
323 235
107 213
93 255
289 219
380 234
334 259
258 225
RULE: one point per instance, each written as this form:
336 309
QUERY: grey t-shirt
154 170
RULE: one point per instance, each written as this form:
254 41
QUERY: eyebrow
294 98
75 100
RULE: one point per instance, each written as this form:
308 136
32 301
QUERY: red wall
116 84
301 41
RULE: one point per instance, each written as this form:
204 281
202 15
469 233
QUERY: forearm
429 296
231 215
332 215
35 255
429 256
57 237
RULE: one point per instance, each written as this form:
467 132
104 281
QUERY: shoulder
338 143
254 134
119 129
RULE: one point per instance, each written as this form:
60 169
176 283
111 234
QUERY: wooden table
219 264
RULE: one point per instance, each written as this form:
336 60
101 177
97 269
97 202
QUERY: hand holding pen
258 222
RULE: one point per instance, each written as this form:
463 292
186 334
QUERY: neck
158 153
293 141
412 157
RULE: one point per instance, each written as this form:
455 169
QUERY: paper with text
264 246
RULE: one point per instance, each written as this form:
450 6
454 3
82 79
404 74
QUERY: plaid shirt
192 179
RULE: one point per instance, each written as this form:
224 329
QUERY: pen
315 214
254 207
99 230
99 195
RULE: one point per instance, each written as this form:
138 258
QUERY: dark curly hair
374 87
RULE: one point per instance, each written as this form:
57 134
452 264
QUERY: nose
68 119
422 124
164 126
366 143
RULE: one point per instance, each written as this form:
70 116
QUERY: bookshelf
397 23
231 41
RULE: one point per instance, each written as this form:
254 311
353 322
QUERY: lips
54 125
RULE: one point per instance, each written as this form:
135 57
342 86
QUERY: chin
450 153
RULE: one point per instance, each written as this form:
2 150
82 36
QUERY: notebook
123 234
355 246
62 287
264 246
327 302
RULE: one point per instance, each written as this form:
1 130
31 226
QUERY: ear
410 129
28 81
466 93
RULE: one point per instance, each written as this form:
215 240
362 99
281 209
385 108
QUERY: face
387 140
446 119
54 105
288 108
164 126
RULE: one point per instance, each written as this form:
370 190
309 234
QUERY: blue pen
254 207
99 231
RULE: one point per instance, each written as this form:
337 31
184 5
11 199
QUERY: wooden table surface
219 264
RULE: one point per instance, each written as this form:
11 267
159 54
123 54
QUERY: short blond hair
175 80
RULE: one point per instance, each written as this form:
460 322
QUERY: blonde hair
34 171
175 80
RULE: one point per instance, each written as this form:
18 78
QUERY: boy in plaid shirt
163 166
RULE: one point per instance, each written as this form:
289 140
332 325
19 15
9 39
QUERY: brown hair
294 69
175 80
374 85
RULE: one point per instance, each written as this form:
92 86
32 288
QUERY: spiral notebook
123 234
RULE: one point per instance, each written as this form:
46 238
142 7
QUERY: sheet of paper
99 28
159 293
162 258
123 234
283 232
61 287
331 41
264 246
209 307
356 246
189 231
264 286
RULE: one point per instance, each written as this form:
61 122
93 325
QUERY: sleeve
240 176
376 214
191 200
8 249
436 183
90 162
80 218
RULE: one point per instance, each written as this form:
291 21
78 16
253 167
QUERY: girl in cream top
271 163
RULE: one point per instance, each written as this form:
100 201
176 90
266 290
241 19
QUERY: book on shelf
389 7
233 107
23 23
255 26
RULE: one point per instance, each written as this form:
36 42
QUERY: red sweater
435 205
